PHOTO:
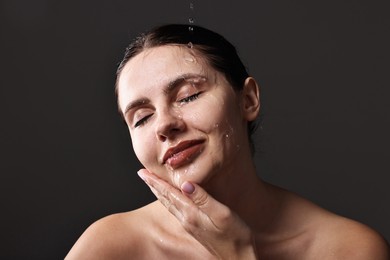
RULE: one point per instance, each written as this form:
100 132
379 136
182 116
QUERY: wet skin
174 103
188 129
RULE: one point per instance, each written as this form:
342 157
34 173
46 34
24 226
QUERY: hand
213 224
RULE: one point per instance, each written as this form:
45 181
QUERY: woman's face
185 119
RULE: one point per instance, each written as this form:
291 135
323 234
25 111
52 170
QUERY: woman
190 107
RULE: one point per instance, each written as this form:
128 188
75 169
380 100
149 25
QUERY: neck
239 188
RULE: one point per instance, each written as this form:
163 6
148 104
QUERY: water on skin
191 170
180 175
189 59
176 178
227 135
230 132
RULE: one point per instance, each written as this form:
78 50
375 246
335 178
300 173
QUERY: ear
250 99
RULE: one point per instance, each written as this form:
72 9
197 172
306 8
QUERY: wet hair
215 49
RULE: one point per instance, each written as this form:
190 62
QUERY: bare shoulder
111 237
349 239
326 235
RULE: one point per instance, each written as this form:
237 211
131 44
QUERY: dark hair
217 51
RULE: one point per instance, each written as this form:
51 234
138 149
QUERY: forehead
155 67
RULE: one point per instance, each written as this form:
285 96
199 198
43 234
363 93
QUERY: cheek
207 114
225 124
143 146
216 113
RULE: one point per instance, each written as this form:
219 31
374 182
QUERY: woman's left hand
212 223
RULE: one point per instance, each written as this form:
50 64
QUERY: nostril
170 130
169 124
162 138
168 133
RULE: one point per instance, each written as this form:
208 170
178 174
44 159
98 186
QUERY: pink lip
182 153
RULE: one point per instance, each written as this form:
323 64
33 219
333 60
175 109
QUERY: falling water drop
191 18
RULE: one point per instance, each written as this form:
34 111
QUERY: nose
169 125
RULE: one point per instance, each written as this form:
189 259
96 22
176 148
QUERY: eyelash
142 121
188 99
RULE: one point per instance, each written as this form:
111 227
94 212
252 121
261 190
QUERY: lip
183 152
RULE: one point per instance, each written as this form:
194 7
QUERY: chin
191 172
198 172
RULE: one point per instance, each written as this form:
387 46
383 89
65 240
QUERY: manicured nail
188 187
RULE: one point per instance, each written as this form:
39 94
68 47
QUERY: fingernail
188 187
141 175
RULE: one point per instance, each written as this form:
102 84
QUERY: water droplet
192 6
191 20
189 59
227 135
190 45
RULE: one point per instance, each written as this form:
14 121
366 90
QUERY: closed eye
142 121
189 98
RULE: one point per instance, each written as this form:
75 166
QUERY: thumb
220 215
196 193
205 202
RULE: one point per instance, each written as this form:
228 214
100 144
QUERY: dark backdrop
66 158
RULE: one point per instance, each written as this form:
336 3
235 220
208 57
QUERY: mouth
182 153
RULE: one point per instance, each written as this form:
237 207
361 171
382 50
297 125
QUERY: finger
207 220
219 214
167 204
192 206
168 195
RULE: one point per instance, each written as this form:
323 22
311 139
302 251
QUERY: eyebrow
179 80
136 103
167 90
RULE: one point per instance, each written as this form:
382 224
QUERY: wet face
184 118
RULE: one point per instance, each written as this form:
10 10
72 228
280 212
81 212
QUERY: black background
66 158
